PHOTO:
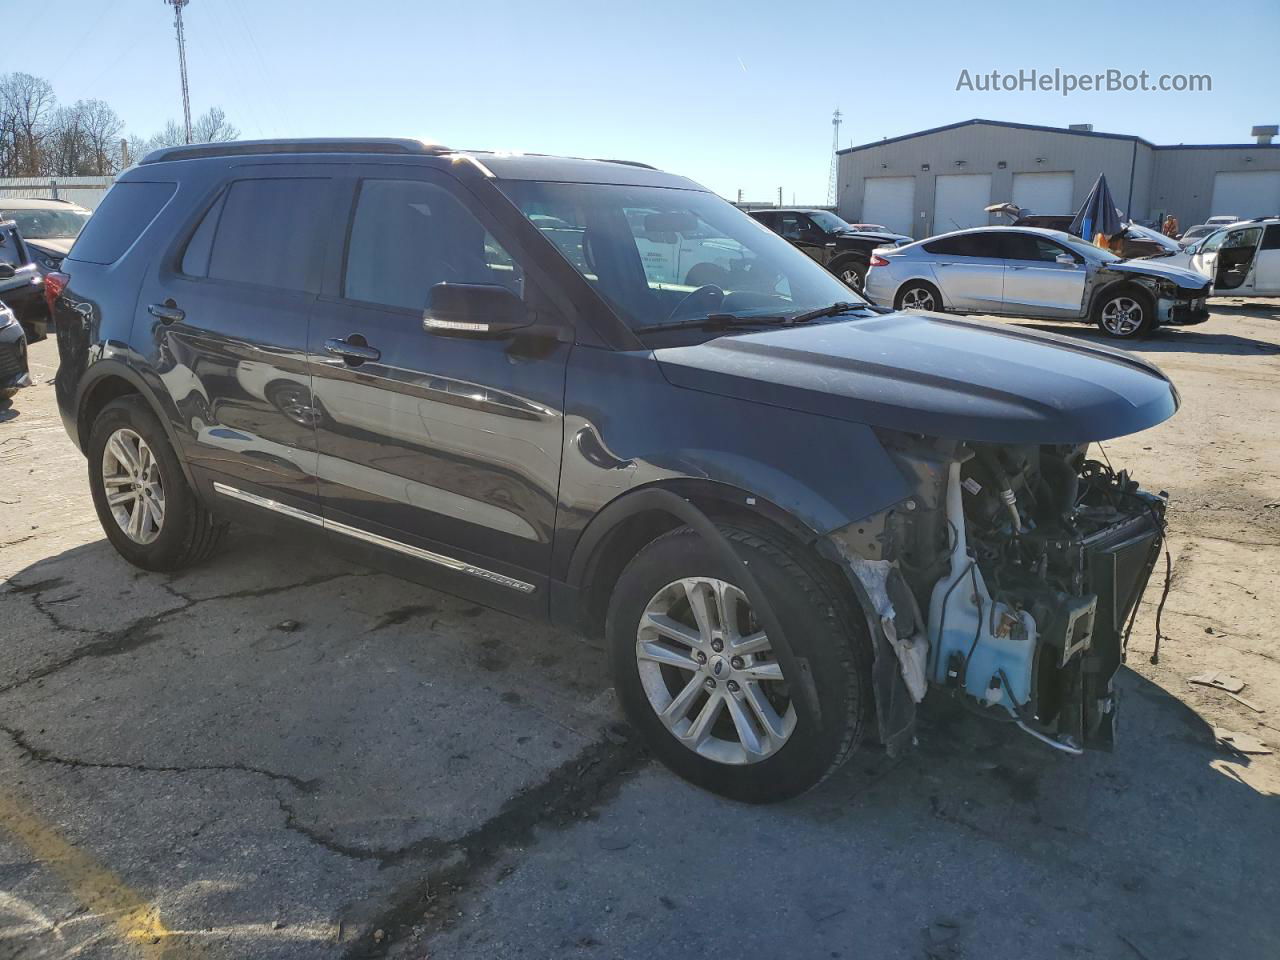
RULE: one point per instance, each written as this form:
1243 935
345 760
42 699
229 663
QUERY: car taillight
54 284
879 261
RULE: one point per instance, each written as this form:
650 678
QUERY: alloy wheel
133 487
710 673
851 278
1122 316
917 298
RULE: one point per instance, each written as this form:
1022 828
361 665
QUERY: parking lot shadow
280 737
1174 340
277 735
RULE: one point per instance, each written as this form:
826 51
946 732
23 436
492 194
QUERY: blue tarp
1098 214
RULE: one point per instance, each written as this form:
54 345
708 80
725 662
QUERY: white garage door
958 201
890 201
1044 192
1253 194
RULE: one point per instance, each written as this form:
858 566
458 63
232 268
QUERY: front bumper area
1182 313
13 359
1009 579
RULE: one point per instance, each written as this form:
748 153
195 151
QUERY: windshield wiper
722 321
715 321
835 309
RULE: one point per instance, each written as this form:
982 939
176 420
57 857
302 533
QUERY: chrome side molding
355 533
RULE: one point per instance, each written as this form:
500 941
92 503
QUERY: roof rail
629 163
240 148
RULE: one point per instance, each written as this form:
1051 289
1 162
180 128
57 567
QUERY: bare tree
63 151
27 104
212 127
102 127
39 138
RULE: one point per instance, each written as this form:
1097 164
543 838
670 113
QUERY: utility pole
834 174
182 62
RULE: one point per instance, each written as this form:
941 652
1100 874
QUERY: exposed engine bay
1011 580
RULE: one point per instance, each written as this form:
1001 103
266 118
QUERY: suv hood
878 236
1165 271
942 376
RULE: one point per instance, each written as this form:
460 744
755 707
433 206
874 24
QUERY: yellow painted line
97 889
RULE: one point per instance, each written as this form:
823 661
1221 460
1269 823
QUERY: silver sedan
1038 273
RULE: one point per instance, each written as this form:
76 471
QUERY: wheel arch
927 281
1115 286
640 516
109 380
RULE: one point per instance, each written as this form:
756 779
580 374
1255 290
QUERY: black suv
829 240
597 393
22 290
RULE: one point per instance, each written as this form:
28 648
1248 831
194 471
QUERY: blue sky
736 95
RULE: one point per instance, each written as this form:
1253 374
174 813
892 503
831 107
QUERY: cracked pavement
283 755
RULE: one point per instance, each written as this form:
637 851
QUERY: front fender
627 427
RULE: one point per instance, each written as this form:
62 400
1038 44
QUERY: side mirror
474 309
7 272
1066 259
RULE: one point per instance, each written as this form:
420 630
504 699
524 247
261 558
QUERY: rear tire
133 468
759 746
918 295
1127 313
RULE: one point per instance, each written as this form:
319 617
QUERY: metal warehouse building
940 179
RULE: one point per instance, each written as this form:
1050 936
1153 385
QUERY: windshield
48 224
829 221
1213 242
647 249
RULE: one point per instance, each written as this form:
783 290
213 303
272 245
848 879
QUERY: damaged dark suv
788 513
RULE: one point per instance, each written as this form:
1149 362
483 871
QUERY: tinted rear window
967 245
126 210
265 232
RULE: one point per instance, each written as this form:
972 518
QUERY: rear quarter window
125 212
966 245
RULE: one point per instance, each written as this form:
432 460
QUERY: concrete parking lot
282 755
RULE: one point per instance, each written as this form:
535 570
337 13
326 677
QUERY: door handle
167 312
353 350
1017 268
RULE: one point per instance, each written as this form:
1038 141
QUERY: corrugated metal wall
1183 180
981 148
1146 181
85 191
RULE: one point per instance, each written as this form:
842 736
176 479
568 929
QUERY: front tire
701 680
1125 314
851 271
144 503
